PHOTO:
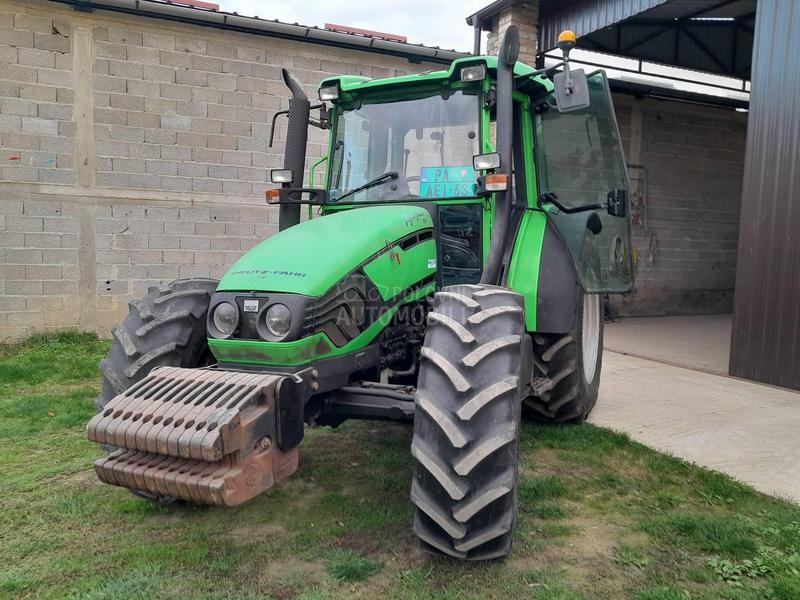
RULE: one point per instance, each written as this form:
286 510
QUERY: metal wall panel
585 16
765 344
707 35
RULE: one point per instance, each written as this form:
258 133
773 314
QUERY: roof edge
480 18
271 28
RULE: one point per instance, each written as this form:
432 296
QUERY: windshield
428 142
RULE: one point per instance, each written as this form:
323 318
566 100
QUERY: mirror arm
323 122
567 76
547 70
272 127
552 198
566 42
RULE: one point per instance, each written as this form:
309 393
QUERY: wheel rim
590 338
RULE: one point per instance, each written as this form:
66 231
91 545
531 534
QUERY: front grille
345 310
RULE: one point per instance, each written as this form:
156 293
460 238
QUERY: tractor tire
466 424
167 328
567 367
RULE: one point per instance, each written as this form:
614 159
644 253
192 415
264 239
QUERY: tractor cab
419 140
432 139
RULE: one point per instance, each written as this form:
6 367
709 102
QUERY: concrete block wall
36 98
692 159
134 151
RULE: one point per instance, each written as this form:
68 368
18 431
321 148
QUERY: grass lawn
600 516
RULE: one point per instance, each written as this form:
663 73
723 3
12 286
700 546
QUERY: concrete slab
745 429
701 342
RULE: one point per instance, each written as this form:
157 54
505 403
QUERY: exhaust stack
507 57
295 152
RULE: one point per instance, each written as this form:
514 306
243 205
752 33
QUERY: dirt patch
301 491
284 578
358 541
586 556
276 577
590 558
295 566
80 480
253 534
594 538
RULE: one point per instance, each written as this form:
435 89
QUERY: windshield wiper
370 184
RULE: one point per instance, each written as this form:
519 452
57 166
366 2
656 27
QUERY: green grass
346 565
599 516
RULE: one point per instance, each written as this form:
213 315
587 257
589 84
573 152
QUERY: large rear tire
166 328
567 367
466 422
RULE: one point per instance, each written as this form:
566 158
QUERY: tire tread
468 398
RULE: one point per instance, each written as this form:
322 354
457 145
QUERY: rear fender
542 270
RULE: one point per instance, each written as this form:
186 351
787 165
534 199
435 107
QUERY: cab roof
356 84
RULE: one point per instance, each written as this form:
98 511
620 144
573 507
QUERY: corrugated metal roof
275 28
715 36
765 345
585 16
710 9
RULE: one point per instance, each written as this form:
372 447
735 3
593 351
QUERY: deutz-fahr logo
261 273
417 218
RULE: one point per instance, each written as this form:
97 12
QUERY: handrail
311 174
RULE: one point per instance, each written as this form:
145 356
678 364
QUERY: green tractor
449 273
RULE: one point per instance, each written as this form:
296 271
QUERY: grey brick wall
134 151
186 114
36 95
693 159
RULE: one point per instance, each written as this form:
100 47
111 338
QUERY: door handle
552 198
617 203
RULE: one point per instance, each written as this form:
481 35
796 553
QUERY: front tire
567 367
166 328
466 422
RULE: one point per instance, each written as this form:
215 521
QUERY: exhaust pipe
295 152
506 58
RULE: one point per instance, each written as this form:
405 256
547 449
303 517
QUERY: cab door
583 187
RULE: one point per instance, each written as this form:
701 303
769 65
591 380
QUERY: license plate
446 182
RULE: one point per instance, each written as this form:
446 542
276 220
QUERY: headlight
278 320
225 318
474 73
484 162
330 92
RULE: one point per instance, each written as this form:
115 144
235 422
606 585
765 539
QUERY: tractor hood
312 256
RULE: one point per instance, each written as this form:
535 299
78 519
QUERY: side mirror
571 88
